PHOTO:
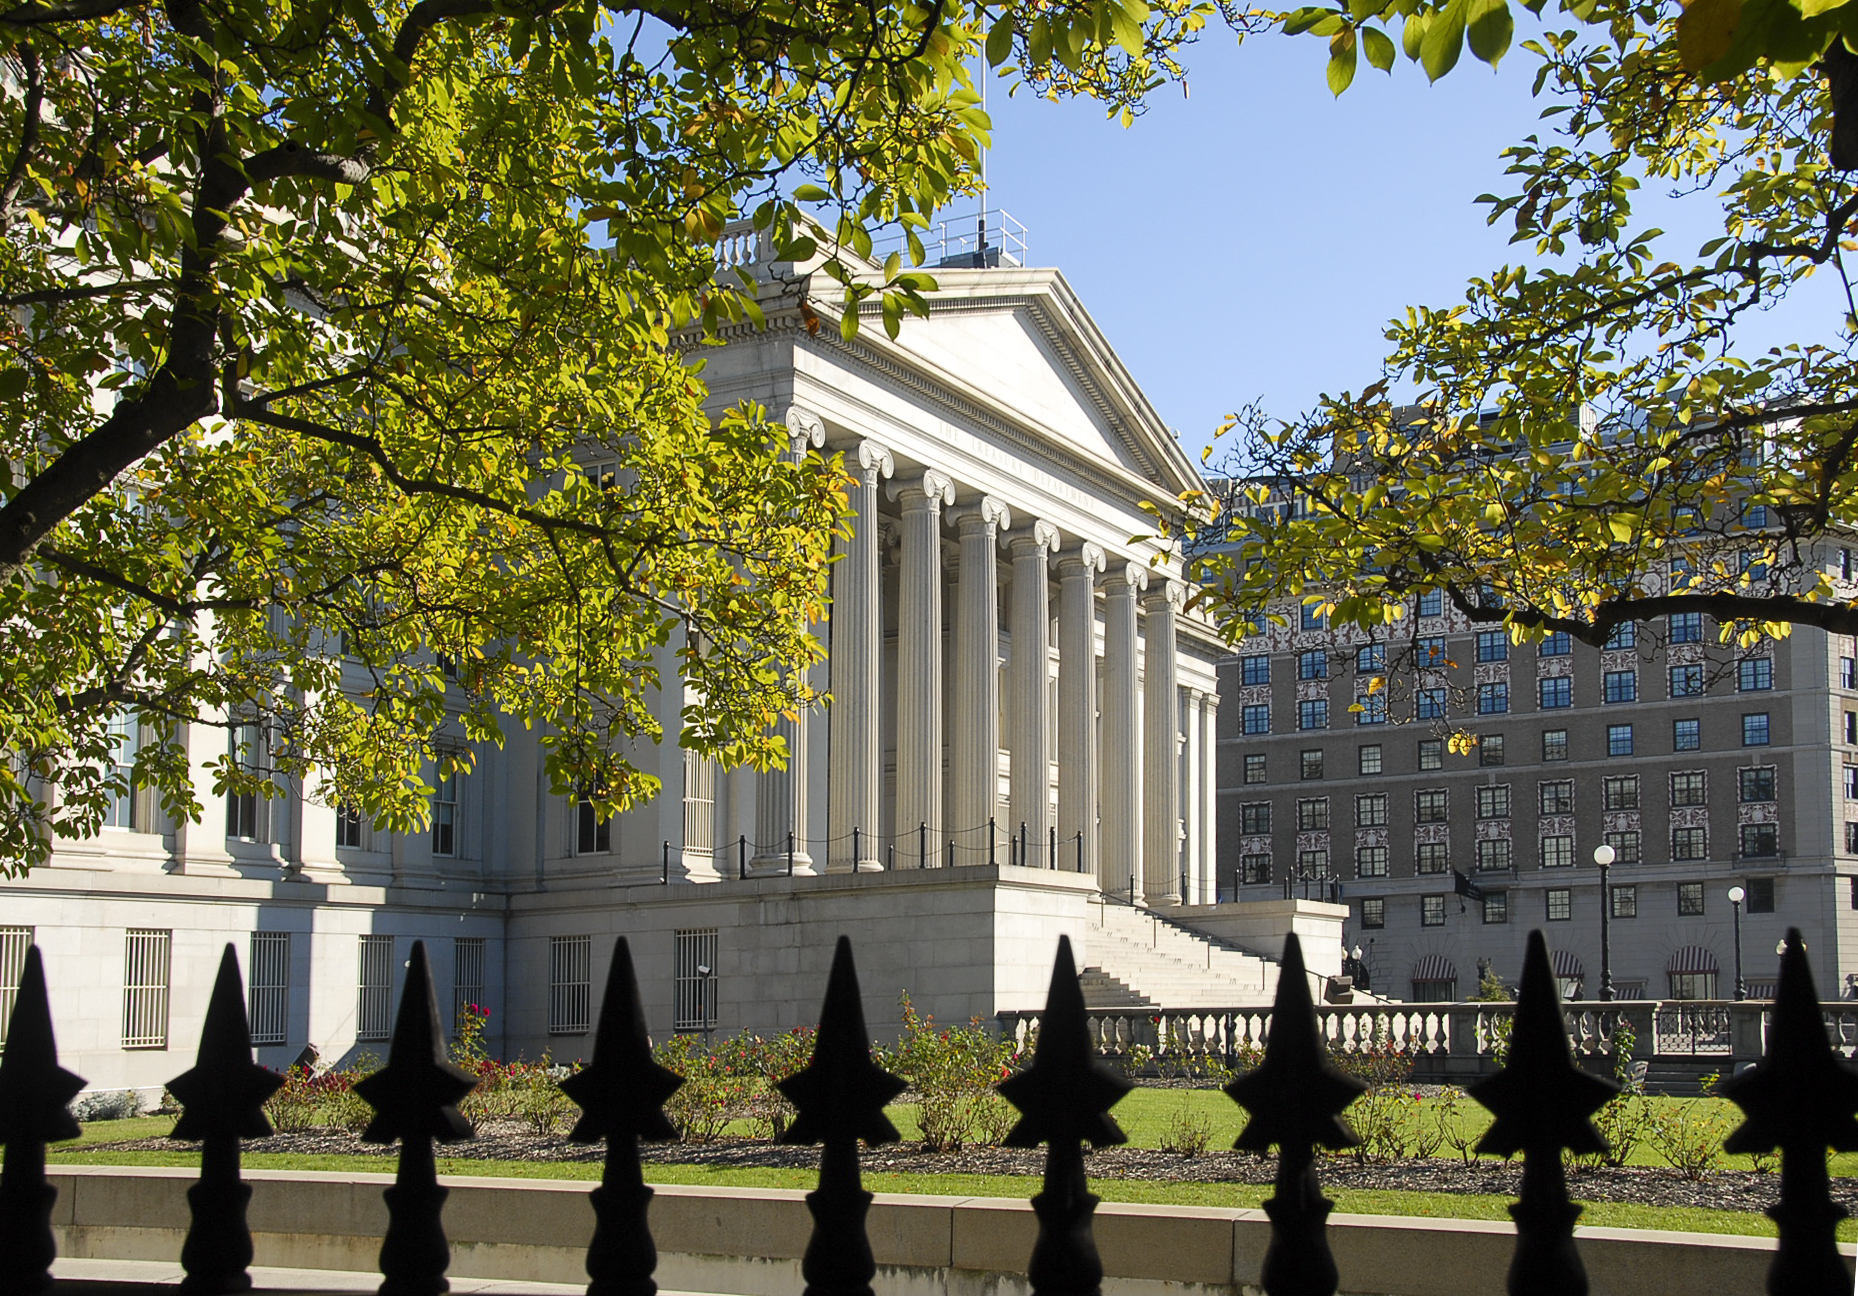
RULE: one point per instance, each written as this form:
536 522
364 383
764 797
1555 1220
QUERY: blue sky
1250 240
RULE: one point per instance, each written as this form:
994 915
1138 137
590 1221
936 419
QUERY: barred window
145 989
1493 854
694 980
14 942
570 984
269 991
467 978
374 1008
1557 798
1371 810
1622 792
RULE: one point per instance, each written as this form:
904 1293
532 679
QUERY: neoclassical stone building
1019 743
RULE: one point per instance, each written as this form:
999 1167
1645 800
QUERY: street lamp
1736 896
1603 856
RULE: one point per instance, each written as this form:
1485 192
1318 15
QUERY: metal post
993 837
664 866
1025 860
1735 903
1603 856
890 857
922 845
1080 850
1053 831
741 855
790 852
855 853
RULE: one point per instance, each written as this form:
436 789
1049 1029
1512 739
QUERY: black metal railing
1799 1099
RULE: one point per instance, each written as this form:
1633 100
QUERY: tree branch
38 15
293 159
28 131
84 292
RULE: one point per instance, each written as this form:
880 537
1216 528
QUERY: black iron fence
1799 1099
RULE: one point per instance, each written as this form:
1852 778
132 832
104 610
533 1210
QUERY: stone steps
1101 990
1162 965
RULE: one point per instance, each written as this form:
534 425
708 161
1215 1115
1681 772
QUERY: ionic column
1028 705
919 660
1077 701
1192 755
1161 771
974 721
1209 798
854 758
1120 790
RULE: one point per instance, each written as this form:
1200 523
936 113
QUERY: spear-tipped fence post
790 852
857 855
1053 833
993 841
33 1092
922 845
664 867
741 856
1080 850
222 1101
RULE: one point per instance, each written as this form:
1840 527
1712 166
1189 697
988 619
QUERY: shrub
1625 1119
1394 1123
707 1101
1187 1131
759 1064
1447 1114
953 1070
105 1104
1689 1136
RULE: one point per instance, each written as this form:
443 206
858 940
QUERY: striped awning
1434 967
1568 965
1693 958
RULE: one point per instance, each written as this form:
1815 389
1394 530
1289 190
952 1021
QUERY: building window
125 733
1848 672
1625 901
1255 818
694 980
1555 693
1689 844
1689 899
1432 990
348 827
1623 635
1558 851
1371 659
1429 653
1760 895
1621 686
1686 681
1556 798
1851 782
1556 645
467 978
1755 516
1554 744
1490 749
268 993
1493 801
1373 708
1371 861
1429 704
1755 729
1255 670
145 989
1368 759
1429 806
1313 814
1693 985
1254 869
374 1009
445 816
14 942
1310 764
1257 717
1254 768
1621 792
1619 740
1560 904
1754 675
1625 846
570 977
1686 735
1492 646
1851 728
1851 838
1429 857
1313 664
1312 617
1432 911
1432 603
1493 698
1313 713
1760 841
699 803
1374 912
242 807
1493 854
1687 627
1496 906
1371 810
1313 865
1758 783
592 834
1431 753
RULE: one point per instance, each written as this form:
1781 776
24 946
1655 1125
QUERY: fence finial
840 1096
415 1099
222 1101
621 1096
1542 1102
34 1091
1800 1098
1064 1098
1295 1097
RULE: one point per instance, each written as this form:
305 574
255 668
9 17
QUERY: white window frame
147 960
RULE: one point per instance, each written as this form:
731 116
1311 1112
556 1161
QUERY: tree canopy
343 373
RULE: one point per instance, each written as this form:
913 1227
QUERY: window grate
699 803
570 962
14 942
374 1015
467 976
145 989
269 990
695 980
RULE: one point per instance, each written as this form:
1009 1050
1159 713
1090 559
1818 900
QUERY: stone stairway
1135 959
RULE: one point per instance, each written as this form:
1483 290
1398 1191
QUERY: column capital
1087 559
805 429
1037 533
874 456
931 486
1131 574
1164 590
987 512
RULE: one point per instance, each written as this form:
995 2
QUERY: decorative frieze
1684 817
1554 667
1432 832
1555 826
1491 830
1493 672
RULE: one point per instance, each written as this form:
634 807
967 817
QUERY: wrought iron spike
1064 1098
222 1100
840 1096
1542 1103
621 1097
1801 1098
1296 1098
415 1099
34 1093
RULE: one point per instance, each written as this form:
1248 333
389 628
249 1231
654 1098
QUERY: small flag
1467 889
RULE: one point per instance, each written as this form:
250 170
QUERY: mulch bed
1726 1190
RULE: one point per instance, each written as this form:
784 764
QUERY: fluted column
854 759
1120 794
1209 798
1192 754
1029 677
974 720
1161 770
1077 701
919 660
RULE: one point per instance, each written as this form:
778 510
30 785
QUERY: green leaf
1379 49
1341 71
1705 31
1000 41
1444 40
12 384
811 193
1489 29
1414 34
1814 8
